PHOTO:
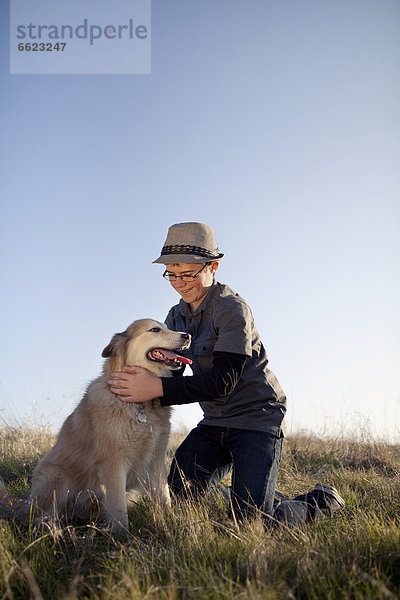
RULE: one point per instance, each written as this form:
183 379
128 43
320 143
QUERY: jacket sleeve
216 384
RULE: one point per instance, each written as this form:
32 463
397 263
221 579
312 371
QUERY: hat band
182 249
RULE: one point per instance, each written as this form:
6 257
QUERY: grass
191 552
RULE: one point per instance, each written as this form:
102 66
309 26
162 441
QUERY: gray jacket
224 322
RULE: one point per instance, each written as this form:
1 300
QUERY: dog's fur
103 450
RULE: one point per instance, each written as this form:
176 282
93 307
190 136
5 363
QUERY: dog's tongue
172 355
184 360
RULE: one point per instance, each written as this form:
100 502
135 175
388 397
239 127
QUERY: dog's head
150 344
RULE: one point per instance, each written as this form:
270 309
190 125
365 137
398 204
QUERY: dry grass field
192 552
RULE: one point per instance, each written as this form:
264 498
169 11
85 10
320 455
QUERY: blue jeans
208 453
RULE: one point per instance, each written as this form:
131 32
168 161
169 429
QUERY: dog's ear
116 346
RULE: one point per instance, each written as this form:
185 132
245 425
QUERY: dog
107 447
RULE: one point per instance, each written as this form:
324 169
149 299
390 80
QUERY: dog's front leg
115 508
157 473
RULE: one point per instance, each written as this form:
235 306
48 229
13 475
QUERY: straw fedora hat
189 243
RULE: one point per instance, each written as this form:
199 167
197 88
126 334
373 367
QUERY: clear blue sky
277 123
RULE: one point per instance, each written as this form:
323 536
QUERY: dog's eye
155 329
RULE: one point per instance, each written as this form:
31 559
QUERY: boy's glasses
172 277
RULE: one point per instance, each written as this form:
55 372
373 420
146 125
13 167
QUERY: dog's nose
186 336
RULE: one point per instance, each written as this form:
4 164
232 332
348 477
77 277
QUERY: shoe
295 513
327 497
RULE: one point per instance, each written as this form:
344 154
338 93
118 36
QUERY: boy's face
194 290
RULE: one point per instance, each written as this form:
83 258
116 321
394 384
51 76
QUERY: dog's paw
119 531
